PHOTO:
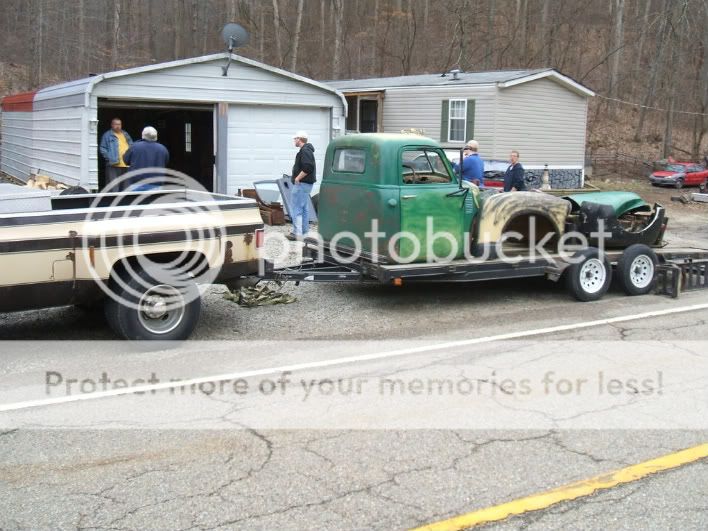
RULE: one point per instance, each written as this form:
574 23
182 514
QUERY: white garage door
261 141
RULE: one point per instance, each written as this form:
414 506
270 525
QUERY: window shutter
444 120
470 120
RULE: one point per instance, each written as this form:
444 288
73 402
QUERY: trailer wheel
146 310
636 269
589 277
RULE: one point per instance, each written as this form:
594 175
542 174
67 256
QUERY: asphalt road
156 462
250 478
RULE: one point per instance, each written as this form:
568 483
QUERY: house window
457 121
187 137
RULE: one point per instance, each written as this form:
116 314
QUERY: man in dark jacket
147 153
303 177
514 176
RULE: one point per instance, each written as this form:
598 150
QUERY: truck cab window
423 166
349 160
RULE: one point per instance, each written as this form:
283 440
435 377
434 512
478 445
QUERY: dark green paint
621 202
349 202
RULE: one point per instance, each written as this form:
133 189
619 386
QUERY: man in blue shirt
472 166
147 153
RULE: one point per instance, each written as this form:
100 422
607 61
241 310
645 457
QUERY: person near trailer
303 178
146 154
472 164
514 176
114 144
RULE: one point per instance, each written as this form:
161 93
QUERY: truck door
430 205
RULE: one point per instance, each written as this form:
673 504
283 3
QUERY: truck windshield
421 166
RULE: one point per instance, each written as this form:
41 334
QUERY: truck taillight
260 236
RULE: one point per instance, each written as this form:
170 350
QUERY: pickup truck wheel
636 269
588 279
146 310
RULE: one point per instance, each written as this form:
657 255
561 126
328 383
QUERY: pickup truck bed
88 247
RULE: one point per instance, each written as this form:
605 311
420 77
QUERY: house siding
421 108
542 120
17 144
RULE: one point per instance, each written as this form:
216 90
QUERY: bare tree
643 31
546 33
522 7
338 9
489 50
296 36
656 68
617 45
276 30
115 42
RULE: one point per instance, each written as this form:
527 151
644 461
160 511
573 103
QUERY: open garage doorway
186 130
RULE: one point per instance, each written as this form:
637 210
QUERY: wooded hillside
647 60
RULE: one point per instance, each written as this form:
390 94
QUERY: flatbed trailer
672 269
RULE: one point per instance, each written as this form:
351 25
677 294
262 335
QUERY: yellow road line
569 492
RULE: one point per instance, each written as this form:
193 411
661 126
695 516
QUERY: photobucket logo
148 241
434 245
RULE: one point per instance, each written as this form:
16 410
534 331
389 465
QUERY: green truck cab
394 184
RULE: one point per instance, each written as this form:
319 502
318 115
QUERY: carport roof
85 85
501 78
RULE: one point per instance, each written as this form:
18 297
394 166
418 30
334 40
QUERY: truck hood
621 202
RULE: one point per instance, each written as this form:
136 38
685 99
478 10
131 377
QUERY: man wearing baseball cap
303 177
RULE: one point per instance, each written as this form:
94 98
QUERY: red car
680 174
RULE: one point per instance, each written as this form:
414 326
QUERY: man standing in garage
303 178
114 143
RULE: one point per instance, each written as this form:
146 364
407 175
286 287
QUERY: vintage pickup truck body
382 192
406 182
79 246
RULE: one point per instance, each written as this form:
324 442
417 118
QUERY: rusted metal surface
499 210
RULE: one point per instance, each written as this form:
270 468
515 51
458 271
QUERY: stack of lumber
43 182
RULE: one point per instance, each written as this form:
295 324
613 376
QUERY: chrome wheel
593 275
641 272
161 309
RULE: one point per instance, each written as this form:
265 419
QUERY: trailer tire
135 313
636 269
589 277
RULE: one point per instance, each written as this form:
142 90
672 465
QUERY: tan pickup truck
145 257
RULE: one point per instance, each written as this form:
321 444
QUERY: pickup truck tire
145 317
589 278
636 269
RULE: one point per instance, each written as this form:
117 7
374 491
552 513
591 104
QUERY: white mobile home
225 131
540 113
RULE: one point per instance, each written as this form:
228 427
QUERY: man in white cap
473 165
303 177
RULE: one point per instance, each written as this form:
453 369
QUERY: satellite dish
234 35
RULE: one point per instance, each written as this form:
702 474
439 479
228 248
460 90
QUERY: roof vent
456 74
